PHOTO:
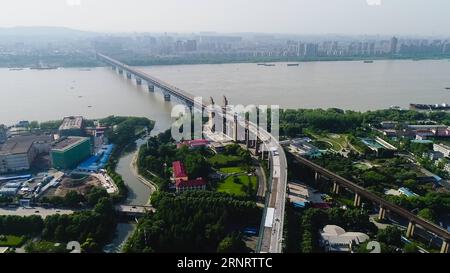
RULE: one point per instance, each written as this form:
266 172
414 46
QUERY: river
98 92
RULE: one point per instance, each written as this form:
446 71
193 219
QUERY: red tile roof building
196 143
179 172
186 185
182 182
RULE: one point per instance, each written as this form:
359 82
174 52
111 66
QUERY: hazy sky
423 17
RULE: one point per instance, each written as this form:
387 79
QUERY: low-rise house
194 144
303 148
407 192
193 184
178 171
388 124
182 181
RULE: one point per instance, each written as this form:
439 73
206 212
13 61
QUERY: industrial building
72 126
18 153
68 152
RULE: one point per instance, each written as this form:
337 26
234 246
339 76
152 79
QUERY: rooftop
22 144
190 183
178 169
71 123
66 143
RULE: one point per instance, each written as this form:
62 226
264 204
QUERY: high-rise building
3 135
394 44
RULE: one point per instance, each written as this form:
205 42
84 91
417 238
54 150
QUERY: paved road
43 212
262 181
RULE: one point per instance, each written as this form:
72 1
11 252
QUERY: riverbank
134 169
169 61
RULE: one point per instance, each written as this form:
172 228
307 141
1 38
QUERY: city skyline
344 17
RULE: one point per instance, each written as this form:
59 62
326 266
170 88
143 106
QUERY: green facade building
68 152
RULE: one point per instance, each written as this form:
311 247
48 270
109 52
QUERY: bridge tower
211 116
235 128
225 108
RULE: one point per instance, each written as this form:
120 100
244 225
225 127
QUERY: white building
336 239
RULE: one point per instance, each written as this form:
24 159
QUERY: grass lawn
232 170
224 160
230 187
362 166
12 241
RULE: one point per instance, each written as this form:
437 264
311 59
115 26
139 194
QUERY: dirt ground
68 184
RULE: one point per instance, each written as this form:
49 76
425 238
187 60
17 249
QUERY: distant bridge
359 192
168 89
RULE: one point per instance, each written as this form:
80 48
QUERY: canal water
138 192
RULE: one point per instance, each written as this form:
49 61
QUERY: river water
51 94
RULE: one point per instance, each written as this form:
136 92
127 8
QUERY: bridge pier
128 75
316 177
357 201
410 229
166 96
151 88
335 188
120 71
444 248
382 213
257 147
138 81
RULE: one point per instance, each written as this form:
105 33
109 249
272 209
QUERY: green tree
390 236
427 214
232 244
